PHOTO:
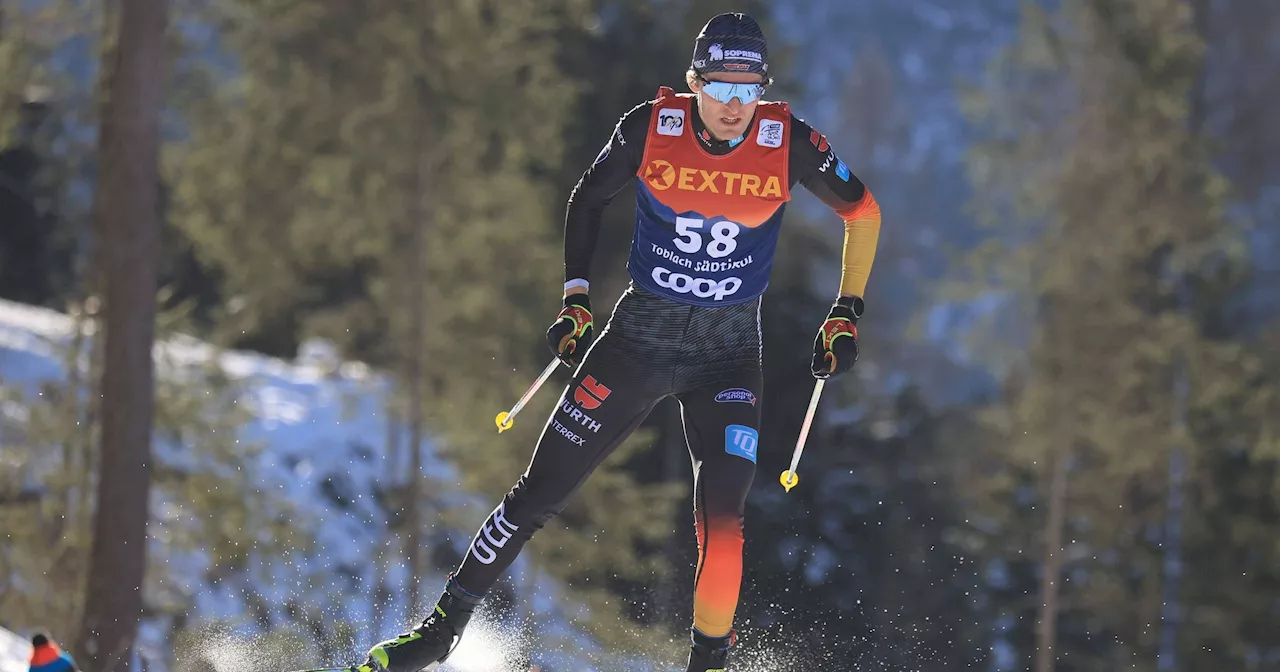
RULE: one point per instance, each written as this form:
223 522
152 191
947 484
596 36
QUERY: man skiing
715 168
47 656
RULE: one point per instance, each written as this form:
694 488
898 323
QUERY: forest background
1057 452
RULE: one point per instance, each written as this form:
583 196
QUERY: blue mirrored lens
727 91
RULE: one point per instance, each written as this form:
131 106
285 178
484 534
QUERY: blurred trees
395 183
1114 244
37 239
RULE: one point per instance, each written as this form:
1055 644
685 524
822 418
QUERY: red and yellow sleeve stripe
861 236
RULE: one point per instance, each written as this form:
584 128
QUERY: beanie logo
717 52
744 55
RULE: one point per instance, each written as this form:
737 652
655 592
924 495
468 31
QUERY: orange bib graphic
706 225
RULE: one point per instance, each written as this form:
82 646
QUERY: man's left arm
814 164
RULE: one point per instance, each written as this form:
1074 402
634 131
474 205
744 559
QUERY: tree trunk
125 211
1171 611
417 311
1046 628
391 465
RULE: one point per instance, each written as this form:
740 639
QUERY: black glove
573 330
835 348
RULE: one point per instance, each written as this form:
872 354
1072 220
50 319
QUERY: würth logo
590 393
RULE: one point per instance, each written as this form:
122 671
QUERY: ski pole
789 477
506 418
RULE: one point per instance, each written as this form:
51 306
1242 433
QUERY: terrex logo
590 393
661 175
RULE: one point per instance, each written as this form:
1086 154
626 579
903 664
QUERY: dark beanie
731 42
40 639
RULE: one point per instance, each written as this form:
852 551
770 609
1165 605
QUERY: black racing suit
709 358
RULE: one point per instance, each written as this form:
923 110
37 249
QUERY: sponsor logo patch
701 287
567 433
590 393
770 134
736 394
742 441
670 121
819 140
495 534
575 415
660 175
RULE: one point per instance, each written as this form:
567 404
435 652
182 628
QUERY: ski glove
835 348
571 334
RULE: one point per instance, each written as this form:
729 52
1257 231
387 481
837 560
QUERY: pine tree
126 214
1116 250
309 172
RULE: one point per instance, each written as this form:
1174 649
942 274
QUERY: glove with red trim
835 348
570 336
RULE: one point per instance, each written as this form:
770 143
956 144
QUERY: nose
734 105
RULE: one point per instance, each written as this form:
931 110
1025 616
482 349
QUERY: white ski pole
789 477
506 418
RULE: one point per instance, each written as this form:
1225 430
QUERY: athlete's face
725 121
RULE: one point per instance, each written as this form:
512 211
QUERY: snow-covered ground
14 652
321 425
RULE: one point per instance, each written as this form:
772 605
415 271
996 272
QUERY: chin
735 131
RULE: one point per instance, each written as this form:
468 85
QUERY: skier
47 656
716 168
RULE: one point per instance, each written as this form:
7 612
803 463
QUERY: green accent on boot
379 652
407 637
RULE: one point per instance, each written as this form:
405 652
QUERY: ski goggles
726 91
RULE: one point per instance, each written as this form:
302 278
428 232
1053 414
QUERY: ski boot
710 654
429 644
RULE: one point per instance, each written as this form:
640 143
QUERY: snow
15 651
322 430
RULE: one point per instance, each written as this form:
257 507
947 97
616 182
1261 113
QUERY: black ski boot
710 654
429 644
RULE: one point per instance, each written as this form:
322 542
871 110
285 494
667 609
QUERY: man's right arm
613 168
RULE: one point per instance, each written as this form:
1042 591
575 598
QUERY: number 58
723 234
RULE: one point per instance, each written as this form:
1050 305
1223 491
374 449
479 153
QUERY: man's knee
531 505
725 486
